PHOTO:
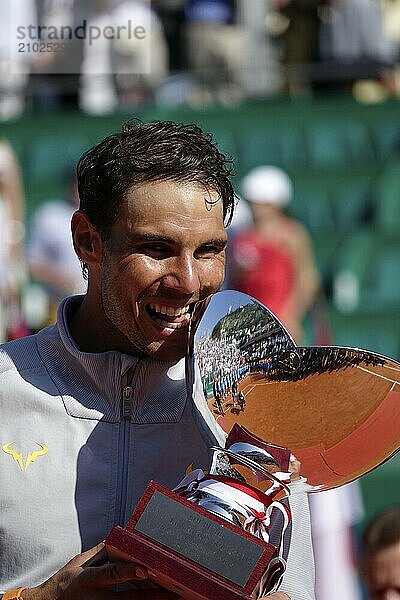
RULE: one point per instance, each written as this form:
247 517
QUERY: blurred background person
215 46
125 73
14 65
54 77
380 555
51 257
300 41
334 516
354 43
242 220
273 260
12 268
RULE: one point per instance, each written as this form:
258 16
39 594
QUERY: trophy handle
244 460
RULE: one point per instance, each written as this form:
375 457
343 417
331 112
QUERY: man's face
165 252
384 574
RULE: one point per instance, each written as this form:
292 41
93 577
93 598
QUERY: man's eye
210 250
155 250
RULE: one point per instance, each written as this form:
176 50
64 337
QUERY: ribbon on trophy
226 493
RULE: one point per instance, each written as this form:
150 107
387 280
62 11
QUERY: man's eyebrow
220 242
150 237
158 237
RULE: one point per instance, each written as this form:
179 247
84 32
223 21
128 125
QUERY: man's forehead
153 189
385 564
178 201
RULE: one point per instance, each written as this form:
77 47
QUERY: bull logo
18 457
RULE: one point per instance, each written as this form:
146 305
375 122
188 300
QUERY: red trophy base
189 550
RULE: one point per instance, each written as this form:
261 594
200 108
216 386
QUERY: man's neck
92 331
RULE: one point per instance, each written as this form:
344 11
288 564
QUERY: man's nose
182 274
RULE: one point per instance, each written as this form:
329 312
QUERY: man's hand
89 576
277 596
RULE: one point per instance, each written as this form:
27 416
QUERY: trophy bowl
337 409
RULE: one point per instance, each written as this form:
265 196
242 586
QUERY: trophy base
189 550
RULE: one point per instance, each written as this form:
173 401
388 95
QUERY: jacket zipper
123 450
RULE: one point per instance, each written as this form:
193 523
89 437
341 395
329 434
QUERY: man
380 555
96 406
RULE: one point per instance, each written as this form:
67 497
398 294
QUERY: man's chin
170 350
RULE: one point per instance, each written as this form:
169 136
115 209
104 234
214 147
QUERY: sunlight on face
166 251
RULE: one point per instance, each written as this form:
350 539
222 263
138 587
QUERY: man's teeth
169 324
169 310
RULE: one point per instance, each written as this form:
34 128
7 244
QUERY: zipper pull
127 400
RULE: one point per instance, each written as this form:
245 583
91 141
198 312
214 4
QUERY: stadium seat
326 246
345 195
334 143
350 203
50 157
316 212
311 205
36 193
382 286
225 140
374 262
386 200
275 145
378 331
386 138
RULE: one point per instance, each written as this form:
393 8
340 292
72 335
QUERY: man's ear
87 240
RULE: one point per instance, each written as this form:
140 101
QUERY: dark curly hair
381 532
144 152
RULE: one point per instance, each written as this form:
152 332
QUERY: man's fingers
95 556
91 557
147 595
138 595
112 573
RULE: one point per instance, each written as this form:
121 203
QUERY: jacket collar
91 384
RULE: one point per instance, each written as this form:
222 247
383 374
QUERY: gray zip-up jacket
81 437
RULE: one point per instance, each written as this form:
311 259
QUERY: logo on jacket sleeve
18 457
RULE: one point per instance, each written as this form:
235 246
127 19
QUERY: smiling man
96 406
164 253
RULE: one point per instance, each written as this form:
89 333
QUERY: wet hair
383 531
146 152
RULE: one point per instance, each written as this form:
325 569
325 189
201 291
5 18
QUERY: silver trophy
296 420
325 415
